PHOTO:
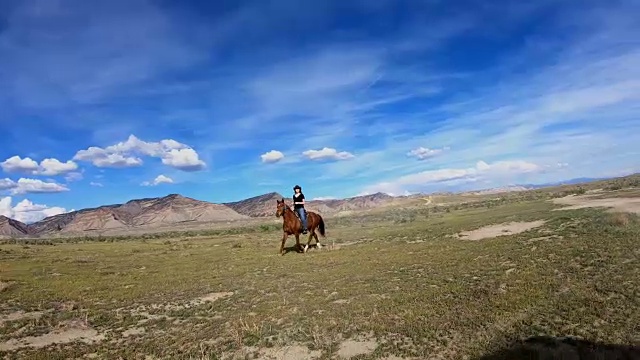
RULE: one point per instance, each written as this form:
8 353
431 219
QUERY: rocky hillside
265 205
355 203
157 213
257 206
12 228
140 213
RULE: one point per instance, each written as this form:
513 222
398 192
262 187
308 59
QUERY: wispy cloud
327 154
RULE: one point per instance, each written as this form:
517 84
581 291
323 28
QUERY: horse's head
281 207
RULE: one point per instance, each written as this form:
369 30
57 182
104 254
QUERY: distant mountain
265 205
257 206
150 214
498 190
145 213
355 203
564 182
12 228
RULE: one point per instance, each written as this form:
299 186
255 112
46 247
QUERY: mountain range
170 211
175 211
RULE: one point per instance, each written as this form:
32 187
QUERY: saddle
298 215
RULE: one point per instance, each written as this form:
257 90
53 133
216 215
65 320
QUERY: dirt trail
631 205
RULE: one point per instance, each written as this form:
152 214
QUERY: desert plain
441 276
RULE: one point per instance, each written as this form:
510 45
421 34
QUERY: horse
292 225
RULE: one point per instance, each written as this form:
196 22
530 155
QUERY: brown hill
257 206
148 212
356 203
12 228
179 209
265 205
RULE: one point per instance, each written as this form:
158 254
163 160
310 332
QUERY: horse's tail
321 226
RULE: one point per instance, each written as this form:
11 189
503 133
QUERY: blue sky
103 102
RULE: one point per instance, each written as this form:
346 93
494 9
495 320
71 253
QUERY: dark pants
303 216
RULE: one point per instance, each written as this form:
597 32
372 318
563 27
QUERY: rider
298 206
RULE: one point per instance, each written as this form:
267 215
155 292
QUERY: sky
102 102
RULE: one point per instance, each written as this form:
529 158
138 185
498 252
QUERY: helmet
297 187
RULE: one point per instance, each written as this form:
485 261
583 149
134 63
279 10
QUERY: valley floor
407 284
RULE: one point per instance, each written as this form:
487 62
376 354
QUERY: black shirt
300 197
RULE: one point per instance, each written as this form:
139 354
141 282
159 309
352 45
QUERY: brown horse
292 225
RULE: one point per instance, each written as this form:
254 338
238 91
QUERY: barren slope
178 209
147 212
103 218
257 206
265 205
11 228
358 202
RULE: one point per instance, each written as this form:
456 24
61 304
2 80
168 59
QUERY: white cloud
481 171
30 186
49 167
53 167
422 153
160 179
6 184
321 198
26 211
272 156
16 164
97 184
183 159
327 153
73 176
127 154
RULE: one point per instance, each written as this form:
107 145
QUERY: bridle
282 209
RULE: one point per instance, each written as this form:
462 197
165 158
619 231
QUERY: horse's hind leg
306 247
313 235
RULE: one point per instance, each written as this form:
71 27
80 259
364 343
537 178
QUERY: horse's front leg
284 239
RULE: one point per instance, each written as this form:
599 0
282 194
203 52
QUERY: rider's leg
303 217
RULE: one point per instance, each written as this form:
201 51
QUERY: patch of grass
398 279
620 219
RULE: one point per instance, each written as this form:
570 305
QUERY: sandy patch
5 285
492 231
572 202
289 352
143 310
73 331
351 348
342 301
133 332
19 315
294 352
